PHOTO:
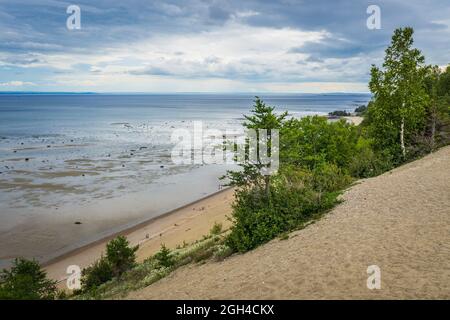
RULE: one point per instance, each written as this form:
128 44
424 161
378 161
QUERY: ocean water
104 159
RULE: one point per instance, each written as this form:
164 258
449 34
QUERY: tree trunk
402 137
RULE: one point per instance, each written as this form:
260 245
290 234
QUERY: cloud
16 84
249 45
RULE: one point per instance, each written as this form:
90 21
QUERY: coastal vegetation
26 280
408 117
157 266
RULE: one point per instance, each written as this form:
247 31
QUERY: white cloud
230 57
16 84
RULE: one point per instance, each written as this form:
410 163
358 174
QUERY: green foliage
120 255
310 141
400 99
151 270
216 229
296 197
222 251
262 117
366 162
96 274
26 281
164 257
437 130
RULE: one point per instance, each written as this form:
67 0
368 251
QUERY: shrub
367 163
120 255
216 229
96 274
310 141
293 201
329 178
25 280
222 251
164 257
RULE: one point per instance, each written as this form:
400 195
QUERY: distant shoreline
179 93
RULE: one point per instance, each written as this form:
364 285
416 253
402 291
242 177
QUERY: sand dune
399 221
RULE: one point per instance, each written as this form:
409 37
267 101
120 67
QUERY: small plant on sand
222 251
216 229
26 280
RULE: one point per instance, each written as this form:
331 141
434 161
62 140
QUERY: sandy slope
188 223
399 221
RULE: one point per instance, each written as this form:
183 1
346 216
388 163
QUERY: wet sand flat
399 221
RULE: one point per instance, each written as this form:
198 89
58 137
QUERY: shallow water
83 157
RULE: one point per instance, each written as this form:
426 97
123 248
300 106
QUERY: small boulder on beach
78 222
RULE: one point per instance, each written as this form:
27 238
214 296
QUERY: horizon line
175 92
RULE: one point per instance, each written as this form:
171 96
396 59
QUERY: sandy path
399 221
188 224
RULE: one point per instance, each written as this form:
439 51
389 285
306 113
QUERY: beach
183 225
399 221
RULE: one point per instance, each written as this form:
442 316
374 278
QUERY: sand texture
399 221
187 224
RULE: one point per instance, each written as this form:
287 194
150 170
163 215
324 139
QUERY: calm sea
104 159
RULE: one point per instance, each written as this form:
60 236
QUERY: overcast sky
208 46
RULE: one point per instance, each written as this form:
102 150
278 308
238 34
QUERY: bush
120 255
366 163
164 257
216 229
329 178
26 281
310 141
222 251
96 274
293 200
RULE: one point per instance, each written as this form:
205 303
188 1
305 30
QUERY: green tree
164 257
311 141
96 274
120 255
437 132
26 281
398 108
262 117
